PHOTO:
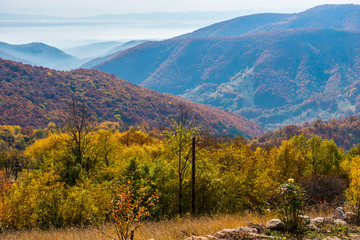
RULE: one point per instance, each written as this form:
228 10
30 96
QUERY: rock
197 238
261 228
331 238
305 219
225 233
254 236
210 237
220 234
350 217
313 227
246 229
275 224
339 213
340 222
329 220
317 220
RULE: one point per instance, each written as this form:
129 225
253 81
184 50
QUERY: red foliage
35 96
345 132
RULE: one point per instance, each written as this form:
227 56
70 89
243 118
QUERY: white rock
246 229
339 213
275 224
210 237
317 220
340 222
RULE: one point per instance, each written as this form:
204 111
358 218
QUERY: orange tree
129 209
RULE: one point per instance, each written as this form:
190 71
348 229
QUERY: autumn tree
128 210
180 144
78 125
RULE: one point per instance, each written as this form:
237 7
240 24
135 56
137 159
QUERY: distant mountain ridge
35 96
281 69
113 51
38 54
93 50
340 17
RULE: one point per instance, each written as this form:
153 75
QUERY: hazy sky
73 8
73 32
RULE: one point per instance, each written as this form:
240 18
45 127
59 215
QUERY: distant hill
340 17
344 132
238 26
111 53
5 55
35 96
277 69
39 54
93 50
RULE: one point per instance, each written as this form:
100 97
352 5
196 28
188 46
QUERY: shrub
325 189
129 209
291 197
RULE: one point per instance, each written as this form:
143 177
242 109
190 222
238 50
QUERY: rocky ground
339 226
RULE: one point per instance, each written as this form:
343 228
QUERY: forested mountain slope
344 132
277 78
35 96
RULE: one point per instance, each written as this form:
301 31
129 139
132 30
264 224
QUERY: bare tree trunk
180 181
193 178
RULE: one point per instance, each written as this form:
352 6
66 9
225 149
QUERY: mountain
124 46
93 50
8 56
238 26
35 96
38 54
341 17
111 53
278 70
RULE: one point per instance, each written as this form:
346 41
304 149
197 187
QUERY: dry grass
320 210
56 234
161 230
175 229
181 228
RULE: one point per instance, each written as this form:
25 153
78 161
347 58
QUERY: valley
226 125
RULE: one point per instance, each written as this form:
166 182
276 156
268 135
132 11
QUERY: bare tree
183 111
78 125
180 142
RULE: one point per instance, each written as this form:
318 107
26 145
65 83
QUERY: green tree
179 141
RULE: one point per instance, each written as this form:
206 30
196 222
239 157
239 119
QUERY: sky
75 32
81 8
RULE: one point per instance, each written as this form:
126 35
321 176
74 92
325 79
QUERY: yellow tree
353 192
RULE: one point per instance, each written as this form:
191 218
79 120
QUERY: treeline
344 132
67 178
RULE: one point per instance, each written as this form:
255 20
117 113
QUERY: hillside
38 54
35 96
111 53
277 78
344 132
